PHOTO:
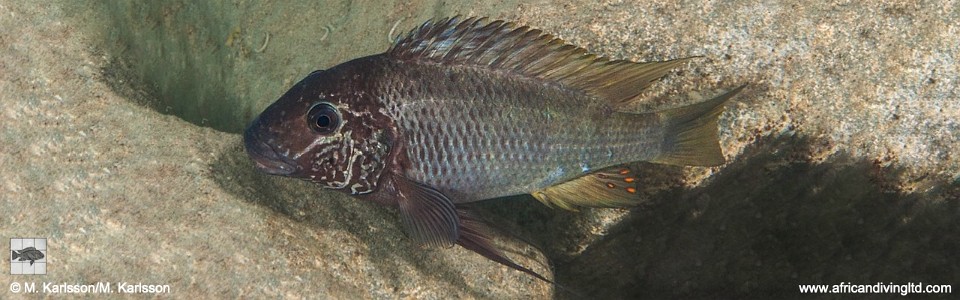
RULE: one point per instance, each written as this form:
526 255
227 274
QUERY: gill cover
325 131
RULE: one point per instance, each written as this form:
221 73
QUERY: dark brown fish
465 110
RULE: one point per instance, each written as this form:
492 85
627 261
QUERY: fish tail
15 255
691 133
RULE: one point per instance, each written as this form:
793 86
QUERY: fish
461 110
28 253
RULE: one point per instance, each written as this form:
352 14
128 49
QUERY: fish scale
437 118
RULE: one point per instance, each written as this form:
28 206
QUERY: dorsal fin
503 46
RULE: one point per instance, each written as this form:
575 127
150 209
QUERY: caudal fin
15 255
690 138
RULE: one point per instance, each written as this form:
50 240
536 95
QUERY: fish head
326 129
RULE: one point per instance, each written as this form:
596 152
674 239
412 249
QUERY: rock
126 194
841 164
840 150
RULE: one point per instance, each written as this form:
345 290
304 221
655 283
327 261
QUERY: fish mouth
265 158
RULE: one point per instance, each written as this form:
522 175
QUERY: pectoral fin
429 217
610 187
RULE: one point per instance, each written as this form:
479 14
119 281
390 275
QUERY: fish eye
323 118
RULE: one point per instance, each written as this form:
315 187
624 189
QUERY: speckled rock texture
118 143
124 193
842 150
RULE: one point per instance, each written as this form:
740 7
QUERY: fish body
460 111
475 134
29 253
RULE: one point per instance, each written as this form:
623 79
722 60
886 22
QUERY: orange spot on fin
610 187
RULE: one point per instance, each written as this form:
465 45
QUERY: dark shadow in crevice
176 57
775 218
557 232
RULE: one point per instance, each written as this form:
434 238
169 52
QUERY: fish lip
265 158
273 167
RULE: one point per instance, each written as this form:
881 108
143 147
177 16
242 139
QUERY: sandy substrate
125 194
842 164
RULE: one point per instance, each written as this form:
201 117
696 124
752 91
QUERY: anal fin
610 187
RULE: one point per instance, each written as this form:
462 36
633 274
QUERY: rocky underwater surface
120 144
